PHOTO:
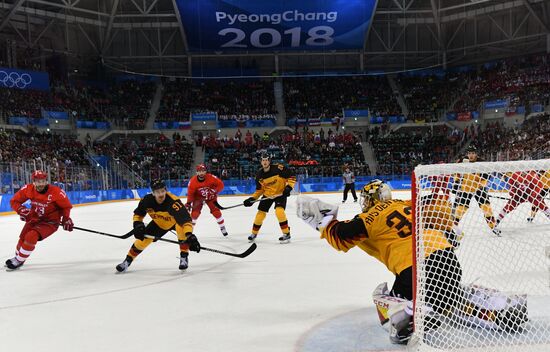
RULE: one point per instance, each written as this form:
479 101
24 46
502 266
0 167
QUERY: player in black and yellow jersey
274 183
383 230
474 185
167 213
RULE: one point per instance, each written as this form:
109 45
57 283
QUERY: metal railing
14 175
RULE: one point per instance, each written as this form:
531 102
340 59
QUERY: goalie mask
374 192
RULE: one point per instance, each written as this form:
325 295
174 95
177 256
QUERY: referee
349 181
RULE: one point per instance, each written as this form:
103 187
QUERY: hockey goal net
481 256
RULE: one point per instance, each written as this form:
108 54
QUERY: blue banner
246 124
496 104
173 125
245 25
19 79
99 125
56 115
452 116
204 116
537 108
25 121
390 119
356 113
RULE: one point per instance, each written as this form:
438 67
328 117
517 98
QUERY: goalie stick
242 204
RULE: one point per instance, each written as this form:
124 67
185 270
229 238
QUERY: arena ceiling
147 36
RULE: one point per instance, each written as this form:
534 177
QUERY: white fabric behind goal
481 284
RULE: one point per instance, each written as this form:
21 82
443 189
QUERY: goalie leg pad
491 309
398 311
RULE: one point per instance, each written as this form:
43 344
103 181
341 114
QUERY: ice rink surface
302 296
299 297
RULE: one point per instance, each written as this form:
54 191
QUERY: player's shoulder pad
148 198
55 189
173 197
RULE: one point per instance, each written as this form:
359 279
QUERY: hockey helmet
157 184
265 156
39 175
374 192
201 167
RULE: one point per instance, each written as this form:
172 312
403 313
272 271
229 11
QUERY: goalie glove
315 213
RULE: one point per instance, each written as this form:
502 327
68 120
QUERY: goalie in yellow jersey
383 229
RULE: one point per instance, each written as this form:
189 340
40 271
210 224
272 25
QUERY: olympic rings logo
14 80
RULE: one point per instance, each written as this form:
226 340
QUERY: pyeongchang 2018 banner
19 79
223 25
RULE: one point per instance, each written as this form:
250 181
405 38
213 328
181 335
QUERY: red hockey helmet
201 167
39 175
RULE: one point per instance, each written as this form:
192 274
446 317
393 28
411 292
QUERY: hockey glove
24 213
68 224
315 213
287 191
193 243
249 201
189 207
139 230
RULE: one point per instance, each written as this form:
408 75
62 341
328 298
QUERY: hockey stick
506 198
498 197
242 204
244 254
127 235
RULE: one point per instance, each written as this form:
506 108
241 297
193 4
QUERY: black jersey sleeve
179 212
141 210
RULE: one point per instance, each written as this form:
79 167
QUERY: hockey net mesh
480 284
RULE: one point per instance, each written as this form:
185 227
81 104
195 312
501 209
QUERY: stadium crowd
528 140
302 96
397 153
307 153
151 156
521 81
427 97
232 100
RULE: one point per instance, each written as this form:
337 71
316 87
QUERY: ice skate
122 267
285 238
13 264
184 261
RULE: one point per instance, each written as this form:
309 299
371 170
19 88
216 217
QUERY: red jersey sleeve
191 187
217 184
19 198
63 203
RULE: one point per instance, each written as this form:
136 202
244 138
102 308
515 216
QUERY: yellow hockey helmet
376 191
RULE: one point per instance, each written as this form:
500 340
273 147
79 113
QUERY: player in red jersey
204 188
525 186
49 207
